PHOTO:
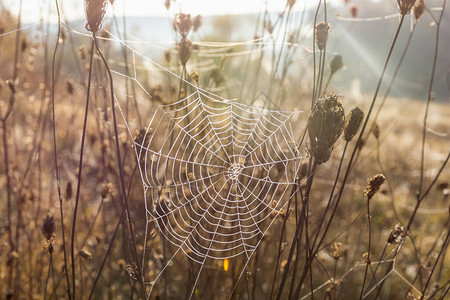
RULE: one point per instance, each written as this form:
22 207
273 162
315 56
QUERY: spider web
214 171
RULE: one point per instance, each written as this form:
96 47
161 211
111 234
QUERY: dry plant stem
369 221
298 230
430 89
410 221
9 189
347 172
111 243
314 96
55 153
282 236
80 169
434 266
48 275
121 172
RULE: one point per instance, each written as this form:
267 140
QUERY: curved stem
80 169
121 172
55 152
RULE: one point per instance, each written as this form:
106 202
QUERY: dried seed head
419 8
376 131
354 11
168 54
198 21
321 34
48 227
69 87
325 125
194 75
183 24
374 184
397 234
366 258
404 6
25 44
85 254
336 250
83 53
185 50
336 63
95 11
167 4
353 123
291 3
69 191
107 189
268 26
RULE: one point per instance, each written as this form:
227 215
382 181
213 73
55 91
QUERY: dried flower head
336 250
321 34
184 50
291 3
69 87
194 75
336 63
354 121
374 184
48 227
167 4
85 254
397 234
168 54
419 8
376 131
268 26
404 6
325 125
69 191
83 53
354 11
95 11
198 21
366 258
183 24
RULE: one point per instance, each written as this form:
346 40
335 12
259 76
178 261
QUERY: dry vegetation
367 216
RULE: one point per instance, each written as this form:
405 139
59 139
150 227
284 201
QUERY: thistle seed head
183 24
336 250
321 34
198 21
354 11
397 234
336 63
325 125
95 11
373 185
48 227
419 8
185 50
354 121
404 6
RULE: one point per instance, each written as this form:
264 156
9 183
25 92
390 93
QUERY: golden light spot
225 264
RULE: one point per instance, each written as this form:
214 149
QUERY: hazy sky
33 9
